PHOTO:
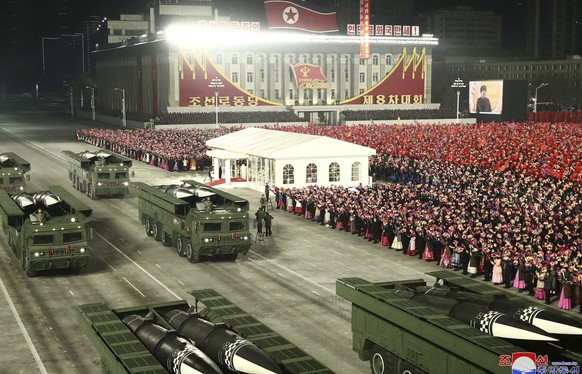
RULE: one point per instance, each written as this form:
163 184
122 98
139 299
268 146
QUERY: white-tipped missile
24 200
544 318
176 353
47 198
229 350
87 154
490 322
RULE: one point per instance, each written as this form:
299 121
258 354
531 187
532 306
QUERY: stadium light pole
123 114
458 84
216 83
92 102
535 108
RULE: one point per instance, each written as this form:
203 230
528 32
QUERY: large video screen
486 97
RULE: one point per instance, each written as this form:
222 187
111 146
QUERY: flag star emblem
290 15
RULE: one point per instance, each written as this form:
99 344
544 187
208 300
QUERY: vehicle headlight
36 254
21 188
238 209
99 184
73 219
206 240
246 238
126 184
82 250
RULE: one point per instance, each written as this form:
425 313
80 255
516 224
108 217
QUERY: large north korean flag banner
297 15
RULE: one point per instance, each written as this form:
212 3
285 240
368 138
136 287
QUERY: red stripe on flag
289 15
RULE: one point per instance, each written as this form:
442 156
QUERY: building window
249 59
262 73
362 62
263 94
291 93
288 174
277 94
276 73
346 75
249 77
333 94
234 59
333 75
388 60
346 93
311 173
219 59
375 60
375 77
334 172
319 93
235 77
362 77
356 171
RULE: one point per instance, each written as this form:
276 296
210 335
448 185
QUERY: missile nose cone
503 326
246 358
550 321
176 317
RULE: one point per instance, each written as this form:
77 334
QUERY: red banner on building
403 85
203 85
309 76
299 16
365 29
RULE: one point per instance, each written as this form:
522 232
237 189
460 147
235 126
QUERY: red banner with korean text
203 85
403 85
365 29
309 76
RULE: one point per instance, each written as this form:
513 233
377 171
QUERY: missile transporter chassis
99 174
123 353
56 238
12 172
221 232
398 335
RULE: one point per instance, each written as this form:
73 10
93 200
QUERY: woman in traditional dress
497 277
519 281
541 275
566 294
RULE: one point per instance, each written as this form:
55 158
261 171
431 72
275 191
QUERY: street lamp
92 102
216 83
123 116
458 84
535 108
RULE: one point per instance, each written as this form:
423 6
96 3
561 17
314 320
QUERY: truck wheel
180 246
148 227
82 187
89 190
29 272
193 257
379 361
75 182
166 239
156 231
230 257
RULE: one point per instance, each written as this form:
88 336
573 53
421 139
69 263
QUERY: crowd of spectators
263 116
172 149
396 114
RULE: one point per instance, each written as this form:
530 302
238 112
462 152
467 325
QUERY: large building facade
274 71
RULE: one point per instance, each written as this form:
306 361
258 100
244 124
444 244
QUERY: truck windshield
103 175
235 226
120 175
71 237
15 180
212 226
42 239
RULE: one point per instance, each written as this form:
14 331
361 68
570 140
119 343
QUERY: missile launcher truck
12 171
198 220
398 335
122 352
99 173
46 230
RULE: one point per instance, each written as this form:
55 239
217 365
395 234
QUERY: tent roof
284 145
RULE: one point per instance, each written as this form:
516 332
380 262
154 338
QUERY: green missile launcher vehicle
12 172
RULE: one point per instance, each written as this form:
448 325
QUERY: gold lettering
405 99
239 100
224 101
368 99
209 101
393 99
194 101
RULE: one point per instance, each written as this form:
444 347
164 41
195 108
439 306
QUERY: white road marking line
140 267
281 275
332 291
373 267
23 329
179 281
158 266
71 292
251 259
138 251
336 252
108 264
134 287
315 293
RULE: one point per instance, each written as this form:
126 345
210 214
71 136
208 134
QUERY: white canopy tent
289 159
